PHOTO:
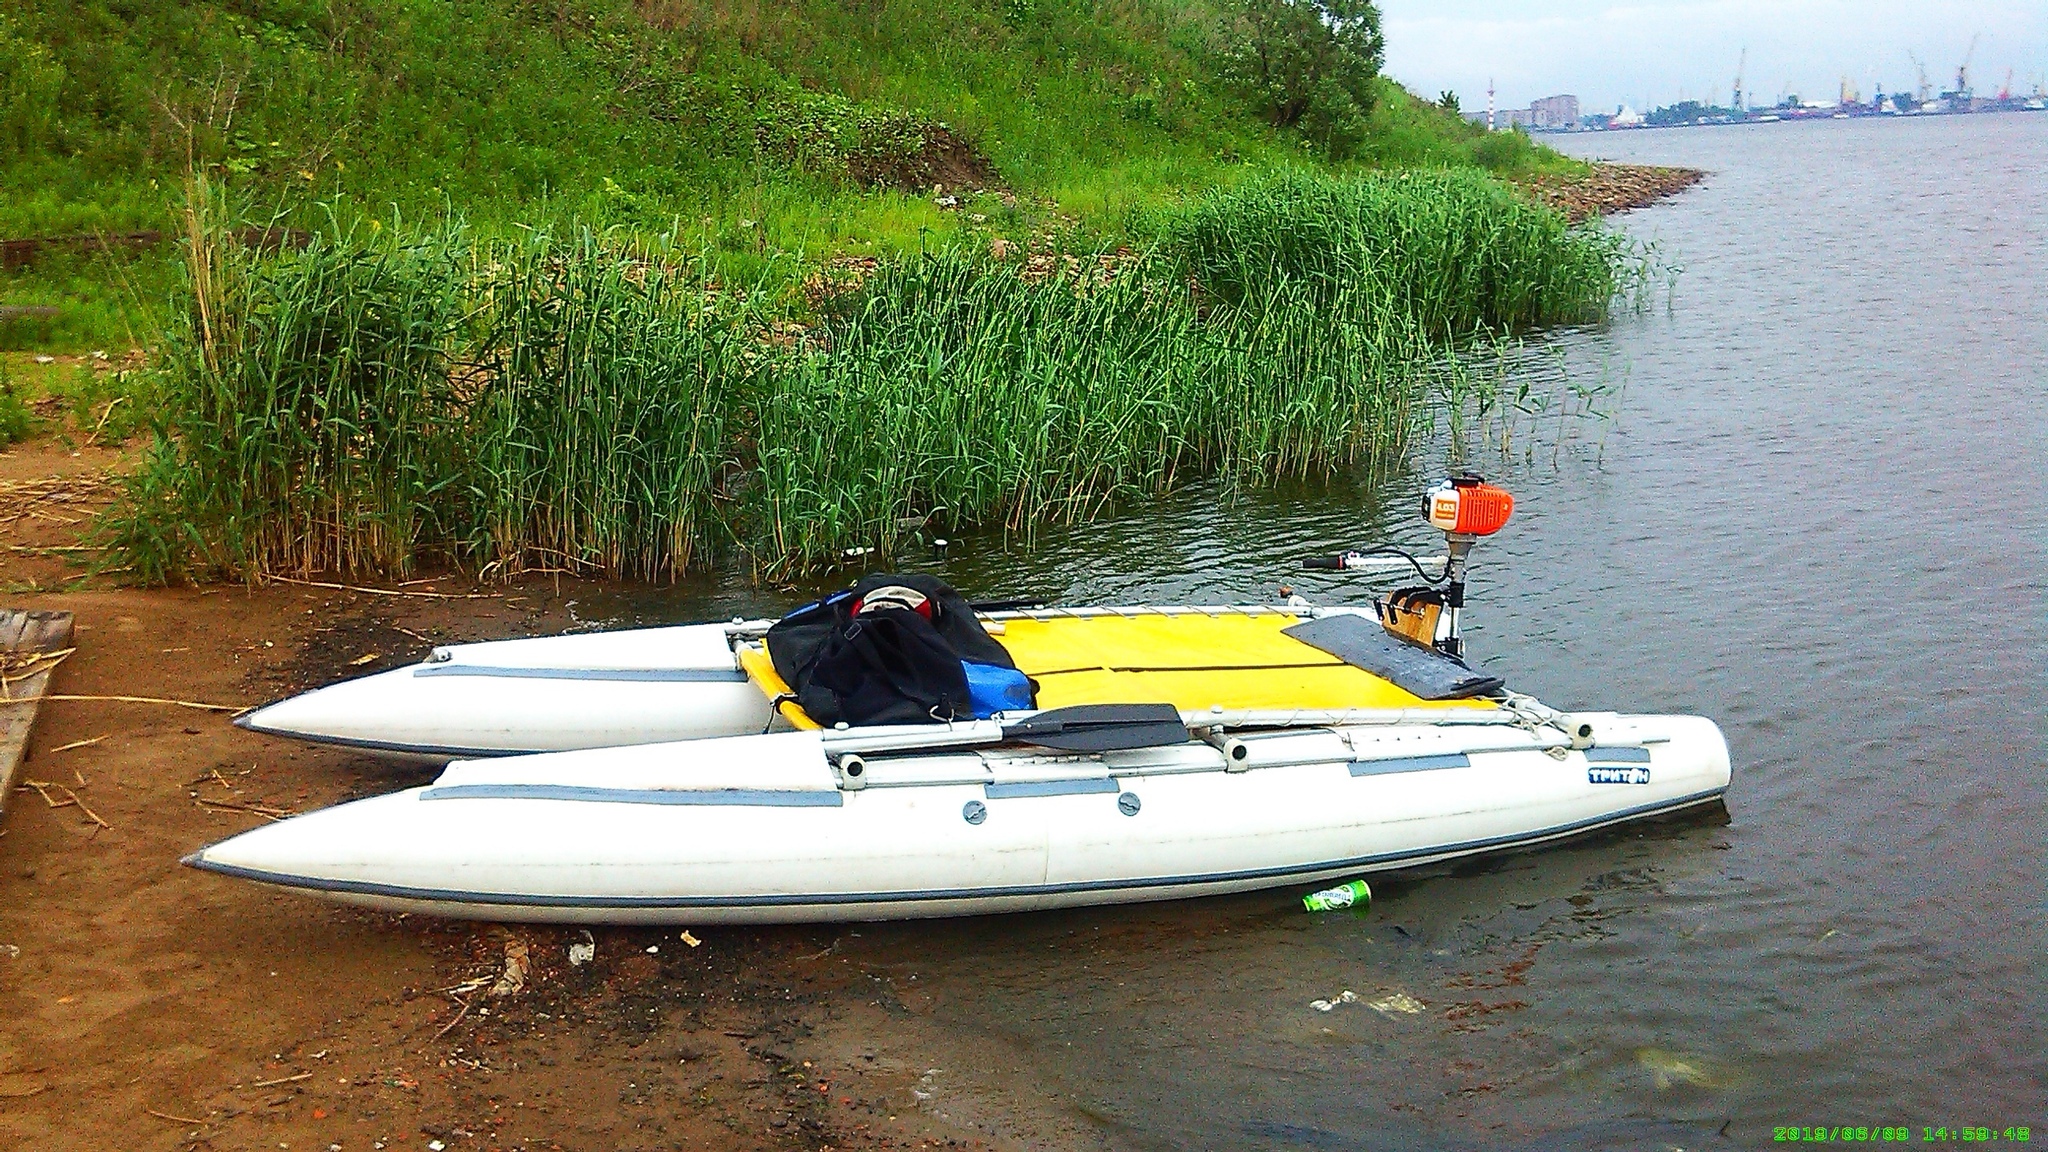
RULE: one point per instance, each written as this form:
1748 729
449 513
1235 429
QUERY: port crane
2005 93
1963 69
1925 92
1735 97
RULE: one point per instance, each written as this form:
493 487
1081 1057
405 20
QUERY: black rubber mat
1360 642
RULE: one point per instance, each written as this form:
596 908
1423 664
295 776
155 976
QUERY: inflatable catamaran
835 766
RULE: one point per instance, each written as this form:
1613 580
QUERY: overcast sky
1650 52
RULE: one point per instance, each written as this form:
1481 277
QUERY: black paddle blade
1101 727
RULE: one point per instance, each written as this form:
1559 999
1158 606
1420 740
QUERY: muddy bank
1611 188
144 1005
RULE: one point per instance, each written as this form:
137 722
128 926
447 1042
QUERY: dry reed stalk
71 800
199 262
76 744
145 700
263 810
23 499
382 591
21 665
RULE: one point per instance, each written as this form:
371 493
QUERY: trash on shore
584 953
692 941
1353 895
1394 1002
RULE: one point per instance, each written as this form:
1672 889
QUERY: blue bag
992 688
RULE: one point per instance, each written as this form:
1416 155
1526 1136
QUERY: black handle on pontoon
1025 603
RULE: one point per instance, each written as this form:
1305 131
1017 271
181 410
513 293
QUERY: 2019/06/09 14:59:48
1894 1134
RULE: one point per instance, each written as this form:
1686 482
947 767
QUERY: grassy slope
644 115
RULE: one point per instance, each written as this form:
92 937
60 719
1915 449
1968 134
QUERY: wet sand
145 1005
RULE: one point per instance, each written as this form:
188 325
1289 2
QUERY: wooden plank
28 641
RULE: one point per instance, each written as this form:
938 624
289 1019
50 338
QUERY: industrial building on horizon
1554 112
1550 114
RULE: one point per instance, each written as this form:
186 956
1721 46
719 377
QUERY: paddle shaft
981 733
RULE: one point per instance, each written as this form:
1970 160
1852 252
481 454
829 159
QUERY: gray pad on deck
1360 642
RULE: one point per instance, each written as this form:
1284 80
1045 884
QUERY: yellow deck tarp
1193 661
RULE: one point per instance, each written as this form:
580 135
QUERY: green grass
606 401
86 400
727 124
109 301
16 421
515 111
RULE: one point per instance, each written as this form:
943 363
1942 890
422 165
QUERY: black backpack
894 649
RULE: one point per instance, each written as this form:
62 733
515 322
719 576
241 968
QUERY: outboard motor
1464 508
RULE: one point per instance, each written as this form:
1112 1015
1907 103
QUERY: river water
1814 512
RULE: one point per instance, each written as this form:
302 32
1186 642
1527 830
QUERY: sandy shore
147 1006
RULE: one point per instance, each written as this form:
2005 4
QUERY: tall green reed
600 386
309 423
593 401
1449 252
959 383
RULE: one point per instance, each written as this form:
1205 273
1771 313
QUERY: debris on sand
514 977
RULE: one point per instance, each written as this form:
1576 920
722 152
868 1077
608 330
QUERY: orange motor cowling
1468 506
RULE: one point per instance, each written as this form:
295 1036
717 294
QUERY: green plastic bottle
1352 895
